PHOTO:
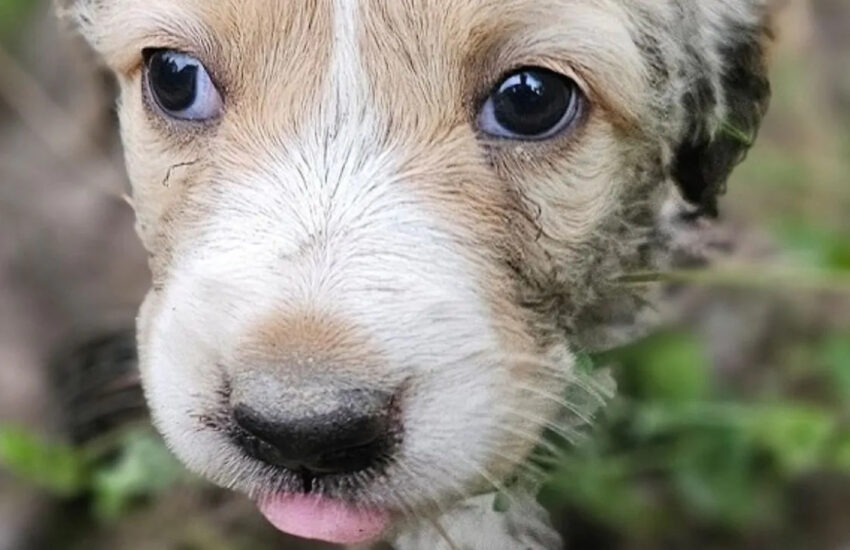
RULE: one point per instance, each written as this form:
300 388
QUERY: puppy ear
726 98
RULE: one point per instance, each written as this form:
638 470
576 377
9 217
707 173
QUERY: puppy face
379 230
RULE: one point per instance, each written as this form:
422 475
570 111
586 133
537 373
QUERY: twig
750 276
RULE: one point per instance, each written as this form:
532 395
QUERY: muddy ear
726 100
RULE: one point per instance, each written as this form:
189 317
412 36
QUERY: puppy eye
181 86
531 104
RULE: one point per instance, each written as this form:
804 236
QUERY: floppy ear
726 97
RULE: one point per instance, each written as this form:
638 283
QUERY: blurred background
732 424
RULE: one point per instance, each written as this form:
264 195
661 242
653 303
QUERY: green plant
115 473
676 449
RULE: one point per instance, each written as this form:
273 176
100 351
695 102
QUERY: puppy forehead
241 18
269 36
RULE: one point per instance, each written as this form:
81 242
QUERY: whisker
533 461
523 468
573 378
560 401
570 437
535 439
440 508
487 476
402 505
435 523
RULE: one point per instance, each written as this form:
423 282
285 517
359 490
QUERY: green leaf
669 367
603 487
797 437
836 356
712 472
12 12
501 503
658 420
144 468
58 468
817 246
584 362
841 455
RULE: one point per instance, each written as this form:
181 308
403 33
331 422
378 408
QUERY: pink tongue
314 517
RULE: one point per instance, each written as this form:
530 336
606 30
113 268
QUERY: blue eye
531 104
181 86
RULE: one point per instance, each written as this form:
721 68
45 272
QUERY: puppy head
379 230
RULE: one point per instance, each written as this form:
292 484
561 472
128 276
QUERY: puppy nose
349 439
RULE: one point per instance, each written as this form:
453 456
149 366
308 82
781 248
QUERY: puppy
380 232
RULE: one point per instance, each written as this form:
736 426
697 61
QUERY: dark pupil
532 102
173 83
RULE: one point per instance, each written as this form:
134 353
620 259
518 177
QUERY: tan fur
344 223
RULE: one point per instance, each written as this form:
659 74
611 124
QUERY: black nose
351 438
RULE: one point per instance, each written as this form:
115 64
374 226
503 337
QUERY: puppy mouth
325 506
323 496
321 506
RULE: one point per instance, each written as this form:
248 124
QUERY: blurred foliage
125 469
682 448
58 468
676 451
12 12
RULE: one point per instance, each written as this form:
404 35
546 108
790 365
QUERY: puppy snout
354 436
